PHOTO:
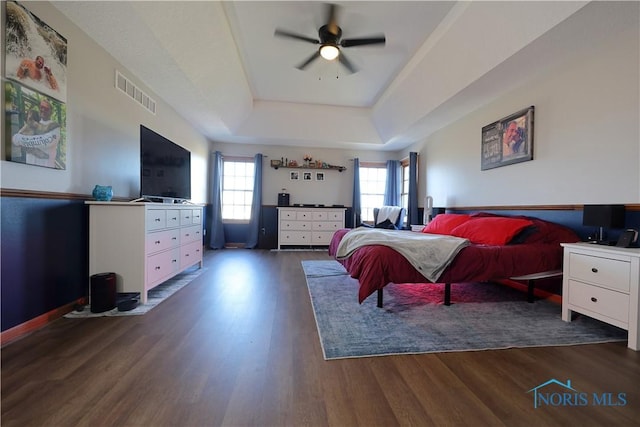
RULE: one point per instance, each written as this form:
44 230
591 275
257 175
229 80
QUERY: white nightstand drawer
598 300
610 273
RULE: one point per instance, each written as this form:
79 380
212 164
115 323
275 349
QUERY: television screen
165 167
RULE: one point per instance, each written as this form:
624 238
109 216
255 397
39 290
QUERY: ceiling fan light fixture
329 52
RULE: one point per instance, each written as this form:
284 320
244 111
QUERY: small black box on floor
127 301
103 292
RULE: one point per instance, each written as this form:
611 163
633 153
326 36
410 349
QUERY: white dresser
602 282
145 244
308 226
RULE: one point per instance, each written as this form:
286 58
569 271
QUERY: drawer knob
595 270
157 242
594 299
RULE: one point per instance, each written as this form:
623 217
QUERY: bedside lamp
603 216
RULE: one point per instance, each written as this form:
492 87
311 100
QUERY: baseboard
19 331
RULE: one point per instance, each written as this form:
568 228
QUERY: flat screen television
165 168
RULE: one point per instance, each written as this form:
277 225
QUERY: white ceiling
219 65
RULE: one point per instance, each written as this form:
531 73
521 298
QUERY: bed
498 247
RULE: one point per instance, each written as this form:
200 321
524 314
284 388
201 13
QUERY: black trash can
103 292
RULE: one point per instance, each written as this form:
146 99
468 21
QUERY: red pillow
445 223
491 230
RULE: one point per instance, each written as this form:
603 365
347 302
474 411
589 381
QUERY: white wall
337 187
103 126
586 143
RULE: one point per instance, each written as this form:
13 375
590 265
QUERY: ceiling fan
330 41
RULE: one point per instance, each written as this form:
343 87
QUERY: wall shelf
330 167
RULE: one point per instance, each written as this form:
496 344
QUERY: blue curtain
357 208
256 204
412 214
393 186
217 229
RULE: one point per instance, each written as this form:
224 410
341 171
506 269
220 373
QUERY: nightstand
602 282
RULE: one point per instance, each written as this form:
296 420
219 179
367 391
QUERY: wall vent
132 91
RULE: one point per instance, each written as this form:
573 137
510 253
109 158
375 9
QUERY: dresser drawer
197 216
190 234
288 214
612 304
186 217
295 238
161 240
321 237
173 218
320 216
304 216
190 254
156 219
295 225
327 226
162 265
610 273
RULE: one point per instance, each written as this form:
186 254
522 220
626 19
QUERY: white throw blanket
430 254
388 212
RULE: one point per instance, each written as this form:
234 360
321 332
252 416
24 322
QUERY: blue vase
102 193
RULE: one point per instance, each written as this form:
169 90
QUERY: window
404 194
237 189
372 183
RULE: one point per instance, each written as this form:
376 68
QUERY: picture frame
276 163
35 54
508 140
306 176
319 176
294 175
36 127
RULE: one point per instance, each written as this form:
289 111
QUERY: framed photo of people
35 131
508 140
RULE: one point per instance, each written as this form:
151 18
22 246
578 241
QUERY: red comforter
376 266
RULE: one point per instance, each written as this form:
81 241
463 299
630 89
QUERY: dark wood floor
239 347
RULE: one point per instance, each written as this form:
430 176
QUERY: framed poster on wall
35 53
508 140
35 131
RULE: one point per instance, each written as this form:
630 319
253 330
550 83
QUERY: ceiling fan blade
344 61
284 33
363 41
309 60
332 21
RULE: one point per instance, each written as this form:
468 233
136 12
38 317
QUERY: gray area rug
414 320
154 297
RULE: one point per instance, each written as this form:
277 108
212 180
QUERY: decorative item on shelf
307 159
102 193
293 163
276 163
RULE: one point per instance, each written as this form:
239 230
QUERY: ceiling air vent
132 91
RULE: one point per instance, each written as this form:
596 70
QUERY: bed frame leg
447 294
530 297
380 298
